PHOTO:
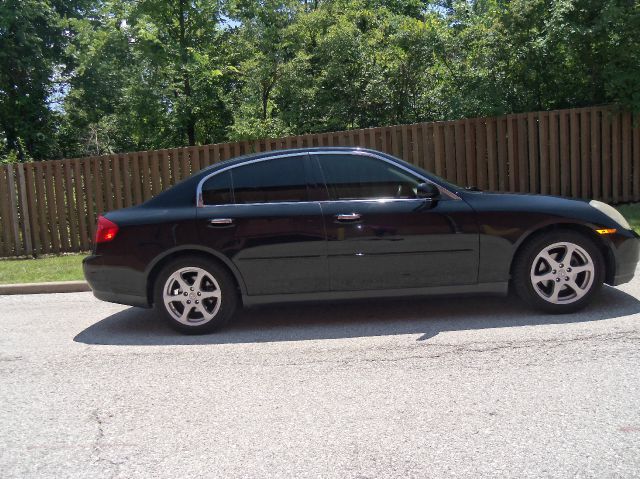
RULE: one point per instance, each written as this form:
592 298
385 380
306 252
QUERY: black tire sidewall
229 294
522 268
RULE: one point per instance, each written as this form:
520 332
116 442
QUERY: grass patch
632 213
50 268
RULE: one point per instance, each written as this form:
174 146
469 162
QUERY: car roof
266 154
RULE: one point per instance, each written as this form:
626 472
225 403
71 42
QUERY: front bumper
626 250
115 284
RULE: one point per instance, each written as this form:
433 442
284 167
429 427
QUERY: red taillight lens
106 230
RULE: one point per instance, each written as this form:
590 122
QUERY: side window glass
271 181
217 189
350 177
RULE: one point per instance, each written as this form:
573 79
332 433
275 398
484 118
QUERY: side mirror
427 191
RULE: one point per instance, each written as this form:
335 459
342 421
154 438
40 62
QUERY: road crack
99 446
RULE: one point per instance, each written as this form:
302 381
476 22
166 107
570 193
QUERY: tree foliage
98 76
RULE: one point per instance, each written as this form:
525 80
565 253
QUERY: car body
340 223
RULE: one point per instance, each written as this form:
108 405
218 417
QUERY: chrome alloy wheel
562 273
192 296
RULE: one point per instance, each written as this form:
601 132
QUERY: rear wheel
559 272
195 295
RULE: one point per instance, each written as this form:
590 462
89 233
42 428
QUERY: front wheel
195 295
559 272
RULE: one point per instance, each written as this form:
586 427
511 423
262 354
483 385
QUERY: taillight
106 230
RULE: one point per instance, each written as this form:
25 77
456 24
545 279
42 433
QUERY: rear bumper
627 253
115 284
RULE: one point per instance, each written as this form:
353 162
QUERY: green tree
33 36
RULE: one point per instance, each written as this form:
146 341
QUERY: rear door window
271 181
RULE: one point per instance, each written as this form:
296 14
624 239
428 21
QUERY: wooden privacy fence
52 206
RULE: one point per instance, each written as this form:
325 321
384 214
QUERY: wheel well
607 254
153 274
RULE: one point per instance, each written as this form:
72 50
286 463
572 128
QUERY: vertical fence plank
395 142
481 153
418 146
585 142
32 208
127 186
383 140
194 153
534 159
523 158
185 160
155 172
574 129
216 152
23 205
404 129
606 156
98 186
144 173
226 150
502 153
7 242
469 152
51 207
118 199
616 171
543 138
166 170
175 165
438 142
14 219
92 206
460 154
565 154
361 138
136 178
596 155
109 197
43 224
72 207
81 202
512 154
61 207
206 159
626 157
492 153
429 147
554 153
450 152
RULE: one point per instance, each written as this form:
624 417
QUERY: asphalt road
473 387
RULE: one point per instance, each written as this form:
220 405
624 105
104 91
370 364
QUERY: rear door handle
221 222
348 217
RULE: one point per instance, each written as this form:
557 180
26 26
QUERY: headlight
611 212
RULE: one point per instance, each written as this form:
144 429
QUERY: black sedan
339 223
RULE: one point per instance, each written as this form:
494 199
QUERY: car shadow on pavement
351 319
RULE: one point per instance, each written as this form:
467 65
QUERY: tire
544 279
203 286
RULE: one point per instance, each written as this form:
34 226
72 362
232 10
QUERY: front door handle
221 222
348 217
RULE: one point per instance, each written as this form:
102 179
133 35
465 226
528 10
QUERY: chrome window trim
200 204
